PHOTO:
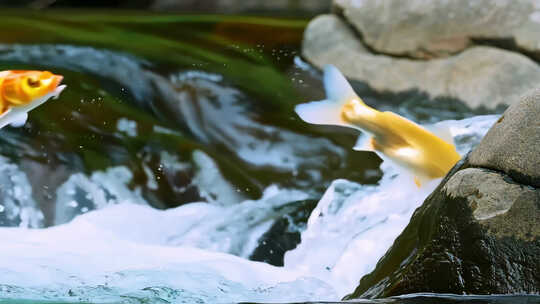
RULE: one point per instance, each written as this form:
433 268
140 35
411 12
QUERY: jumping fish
22 91
407 144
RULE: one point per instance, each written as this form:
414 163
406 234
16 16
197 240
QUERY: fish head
23 87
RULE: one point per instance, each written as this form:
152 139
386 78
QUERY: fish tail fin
328 111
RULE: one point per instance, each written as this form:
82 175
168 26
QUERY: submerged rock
479 76
479 231
427 28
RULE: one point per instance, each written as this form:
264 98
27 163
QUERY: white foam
17 206
129 127
211 183
87 254
235 229
95 192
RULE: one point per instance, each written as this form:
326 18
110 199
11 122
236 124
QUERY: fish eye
33 82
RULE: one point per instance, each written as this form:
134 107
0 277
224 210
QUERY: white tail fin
328 111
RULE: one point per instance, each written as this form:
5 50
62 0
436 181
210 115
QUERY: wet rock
284 234
427 29
479 231
479 76
511 145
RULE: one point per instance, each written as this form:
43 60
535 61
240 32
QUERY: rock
427 29
284 234
489 195
479 76
512 144
479 231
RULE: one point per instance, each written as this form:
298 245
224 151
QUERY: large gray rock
479 76
431 28
479 231
512 145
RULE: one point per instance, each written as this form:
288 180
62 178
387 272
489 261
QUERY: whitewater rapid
111 246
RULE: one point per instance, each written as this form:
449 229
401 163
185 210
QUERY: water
170 158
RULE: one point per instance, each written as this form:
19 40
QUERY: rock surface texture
512 145
376 42
479 231
435 28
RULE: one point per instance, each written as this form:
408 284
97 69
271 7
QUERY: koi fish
392 137
22 91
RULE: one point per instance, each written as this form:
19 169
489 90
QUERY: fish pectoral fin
420 180
364 143
19 120
5 118
417 182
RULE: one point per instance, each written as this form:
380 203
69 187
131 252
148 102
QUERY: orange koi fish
22 91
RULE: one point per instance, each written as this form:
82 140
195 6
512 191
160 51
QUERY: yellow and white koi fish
391 136
22 91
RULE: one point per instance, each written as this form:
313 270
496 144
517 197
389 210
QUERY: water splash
17 207
80 193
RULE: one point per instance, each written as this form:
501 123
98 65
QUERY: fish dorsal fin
328 111
336 86
441 131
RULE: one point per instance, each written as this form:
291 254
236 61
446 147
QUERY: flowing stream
174 170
